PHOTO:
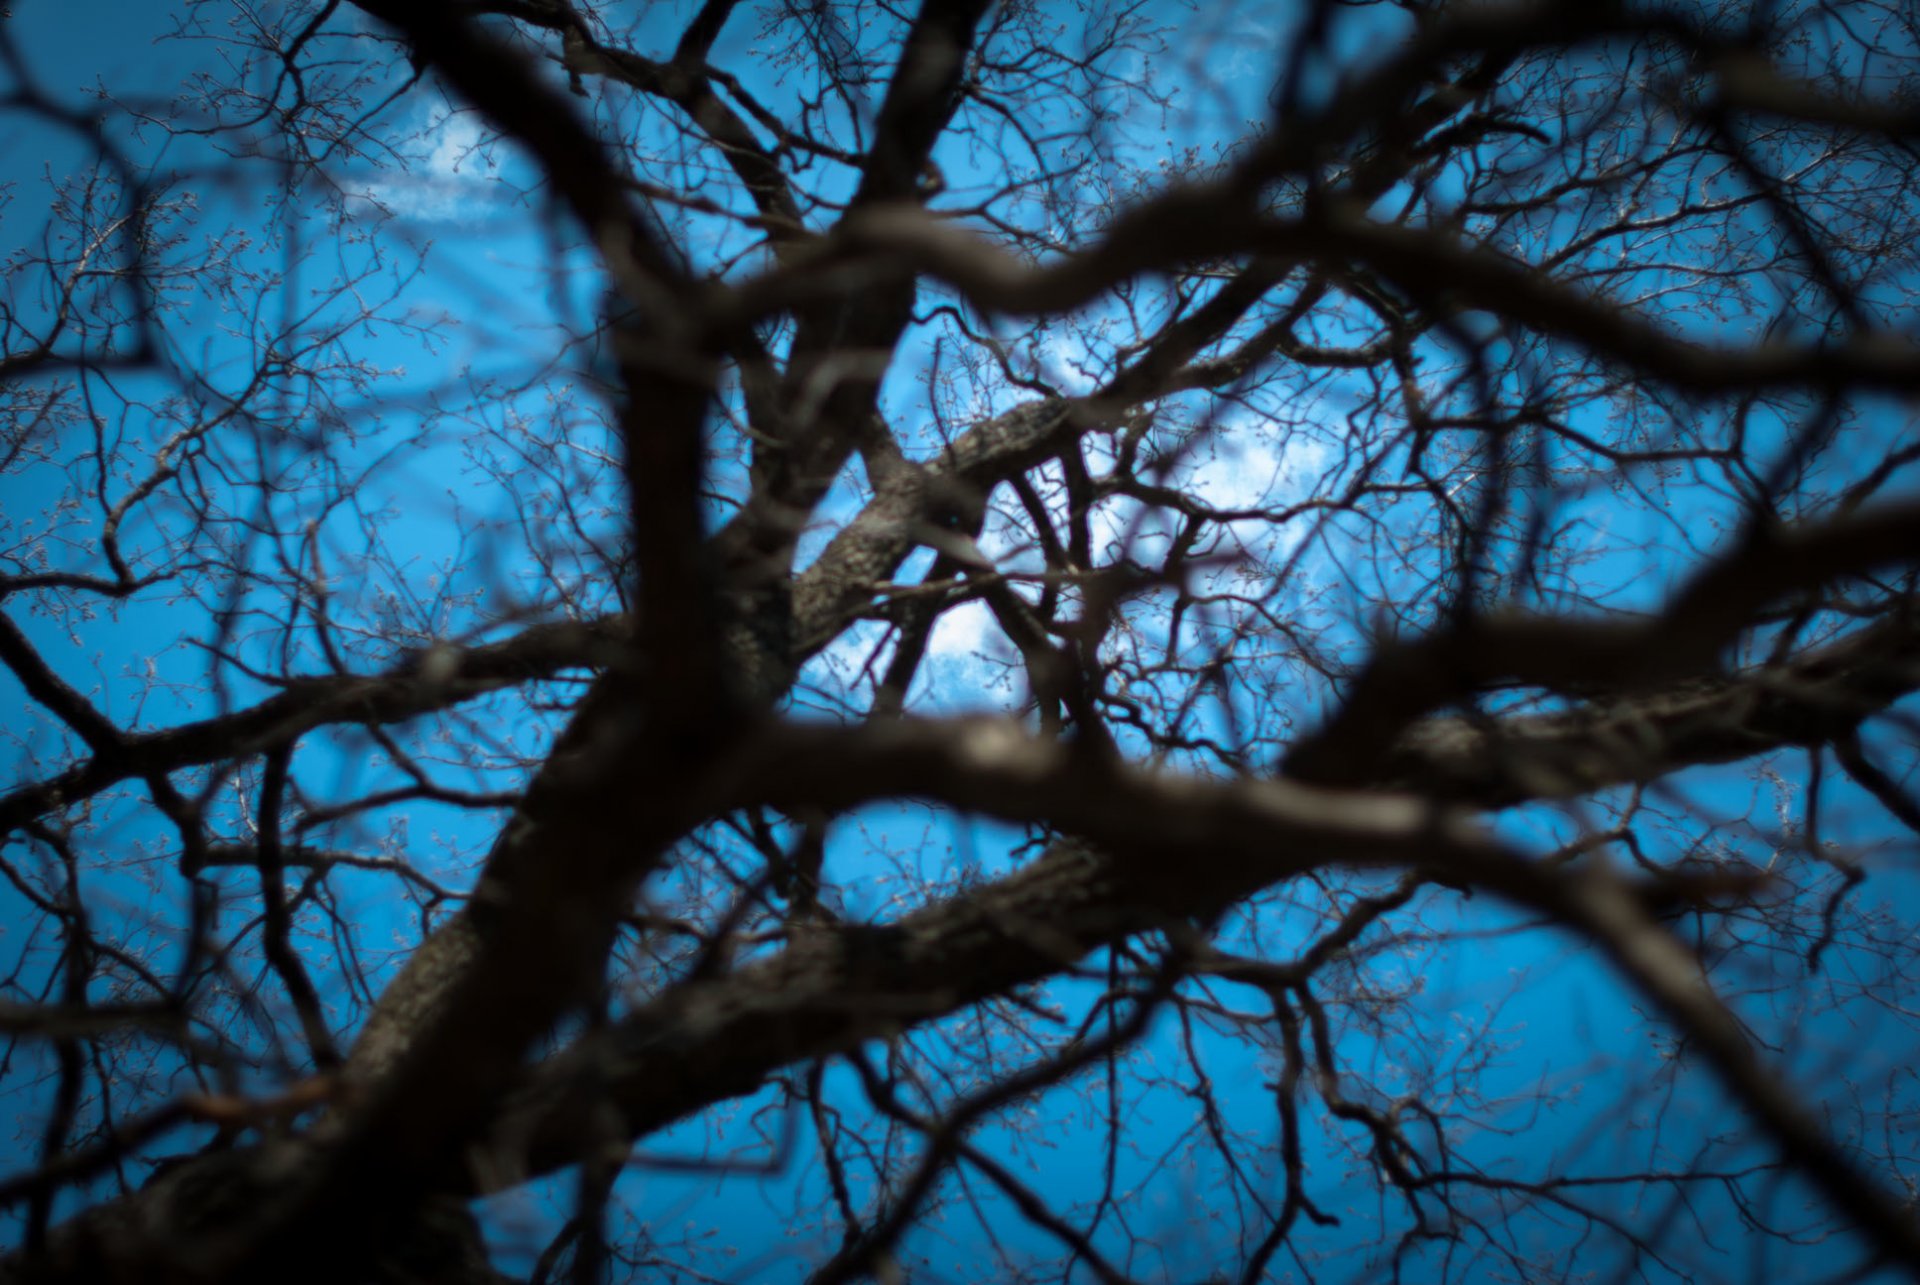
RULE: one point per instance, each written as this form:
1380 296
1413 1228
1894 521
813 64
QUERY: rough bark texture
1434 280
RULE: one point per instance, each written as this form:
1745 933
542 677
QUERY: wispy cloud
452 176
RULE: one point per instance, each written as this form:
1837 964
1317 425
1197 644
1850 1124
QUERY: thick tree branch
1432 266
439 678
1405 681
1644 735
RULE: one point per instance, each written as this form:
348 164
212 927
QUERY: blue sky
447 236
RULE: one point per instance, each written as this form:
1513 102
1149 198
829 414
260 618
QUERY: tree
903 593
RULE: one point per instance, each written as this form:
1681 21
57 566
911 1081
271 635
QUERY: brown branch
1641 736
1171 850
1683 642
438 678
1660 968
1213 221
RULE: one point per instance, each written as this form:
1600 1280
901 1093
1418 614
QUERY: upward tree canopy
1085 641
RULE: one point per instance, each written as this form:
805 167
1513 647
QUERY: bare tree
901 590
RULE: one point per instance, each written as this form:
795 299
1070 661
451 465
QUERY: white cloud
1237 475
449 176
961 631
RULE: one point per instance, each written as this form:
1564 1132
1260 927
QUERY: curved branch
435 679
